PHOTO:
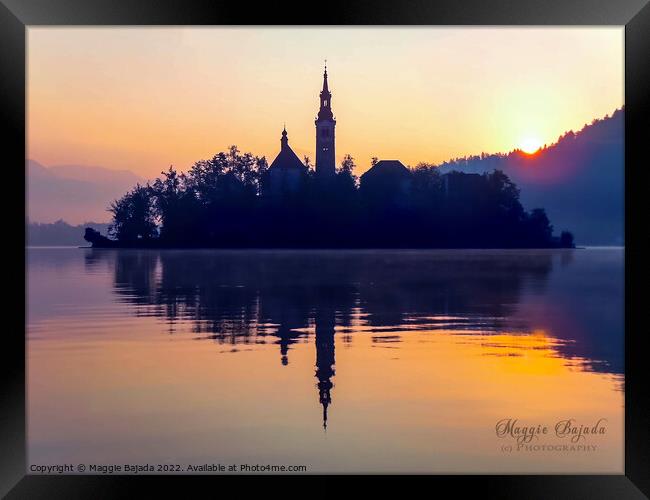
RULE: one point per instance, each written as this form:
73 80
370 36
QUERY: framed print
387 240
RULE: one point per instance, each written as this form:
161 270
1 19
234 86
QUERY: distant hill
579 179
74 193
60 233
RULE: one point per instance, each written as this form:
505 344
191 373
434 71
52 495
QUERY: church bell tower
325 123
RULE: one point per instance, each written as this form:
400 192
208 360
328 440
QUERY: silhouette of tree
566 239
175 205
345 174
133 216
539 227
308 164
223 202
347 165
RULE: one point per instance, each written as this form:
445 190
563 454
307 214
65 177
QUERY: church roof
286 159
387 168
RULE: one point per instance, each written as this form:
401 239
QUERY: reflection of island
249 296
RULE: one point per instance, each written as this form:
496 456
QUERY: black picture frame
17 15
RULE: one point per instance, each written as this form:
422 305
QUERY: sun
530 145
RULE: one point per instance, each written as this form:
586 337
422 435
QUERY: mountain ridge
74 193
578 180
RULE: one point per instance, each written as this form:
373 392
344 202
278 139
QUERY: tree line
225 202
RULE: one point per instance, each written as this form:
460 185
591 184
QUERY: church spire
284 141
325 89
325 111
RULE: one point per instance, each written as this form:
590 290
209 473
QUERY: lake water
341 361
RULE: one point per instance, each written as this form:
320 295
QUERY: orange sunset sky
145 98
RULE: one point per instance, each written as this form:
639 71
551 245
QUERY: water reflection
501 299
407 358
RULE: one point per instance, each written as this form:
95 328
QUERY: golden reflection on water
107 385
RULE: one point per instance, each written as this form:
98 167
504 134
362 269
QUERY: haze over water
209 356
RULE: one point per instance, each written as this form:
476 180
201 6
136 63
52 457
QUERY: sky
145 98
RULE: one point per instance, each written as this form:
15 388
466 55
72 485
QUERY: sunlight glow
530 145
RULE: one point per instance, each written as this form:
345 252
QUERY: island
238 200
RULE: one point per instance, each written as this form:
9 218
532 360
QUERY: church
287 170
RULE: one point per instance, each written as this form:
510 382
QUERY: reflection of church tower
285 341
287 336
325 123
325 320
